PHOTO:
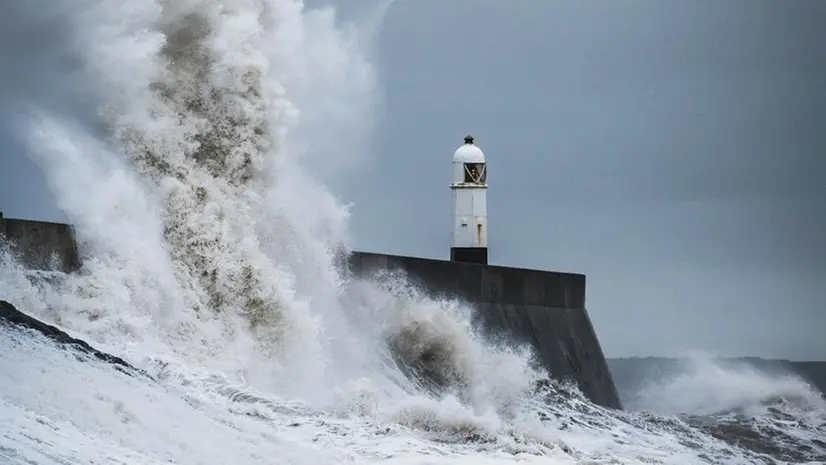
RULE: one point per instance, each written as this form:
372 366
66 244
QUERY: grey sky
672 151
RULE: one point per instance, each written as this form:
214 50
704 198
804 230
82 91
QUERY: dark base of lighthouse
477 255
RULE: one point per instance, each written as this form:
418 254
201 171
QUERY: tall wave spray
205 237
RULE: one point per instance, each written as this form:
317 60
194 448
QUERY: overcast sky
672 151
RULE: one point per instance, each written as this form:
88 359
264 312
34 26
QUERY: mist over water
206 239
699 385
211 259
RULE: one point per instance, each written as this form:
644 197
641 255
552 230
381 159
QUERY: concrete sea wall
41 245
543 309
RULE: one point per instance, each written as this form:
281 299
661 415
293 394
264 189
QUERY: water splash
701 385
210 251
207 237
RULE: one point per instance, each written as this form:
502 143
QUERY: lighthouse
470 209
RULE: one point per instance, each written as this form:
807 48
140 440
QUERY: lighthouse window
475 173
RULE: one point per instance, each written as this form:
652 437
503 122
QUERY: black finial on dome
468 139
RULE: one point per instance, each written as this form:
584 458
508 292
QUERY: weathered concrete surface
544 309
41 245
11 316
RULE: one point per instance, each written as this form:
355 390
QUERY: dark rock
11 316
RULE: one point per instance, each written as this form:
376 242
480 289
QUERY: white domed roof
469 153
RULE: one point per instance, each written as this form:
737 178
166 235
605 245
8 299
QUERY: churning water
210 249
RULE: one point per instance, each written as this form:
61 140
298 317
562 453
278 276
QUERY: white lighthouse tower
470 209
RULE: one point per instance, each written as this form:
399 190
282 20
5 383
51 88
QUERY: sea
211 243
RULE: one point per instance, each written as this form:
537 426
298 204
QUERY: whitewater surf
211 249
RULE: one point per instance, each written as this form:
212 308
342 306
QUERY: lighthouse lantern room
470 211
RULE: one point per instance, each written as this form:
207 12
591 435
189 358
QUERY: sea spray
207 238
192 236
210 251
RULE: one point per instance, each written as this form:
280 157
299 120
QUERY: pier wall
544 309
41 245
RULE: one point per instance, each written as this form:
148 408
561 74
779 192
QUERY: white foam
210 244
707 386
